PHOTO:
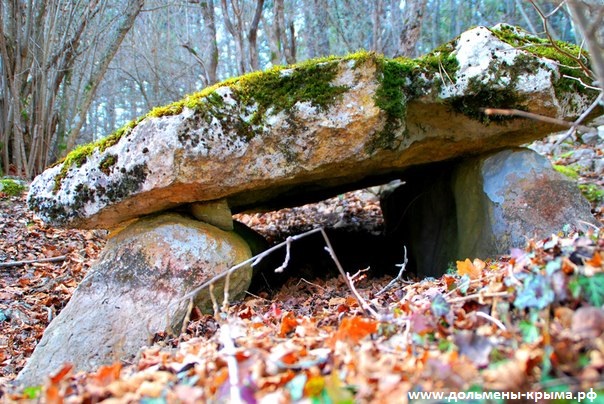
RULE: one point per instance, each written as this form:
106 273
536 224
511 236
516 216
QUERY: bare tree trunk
413 16
209 17
252 35
588 16
39 46
115 39
309 32
527 20
436 41
376 19
235 28
321 28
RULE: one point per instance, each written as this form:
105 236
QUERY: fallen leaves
354 329
33 293
530 321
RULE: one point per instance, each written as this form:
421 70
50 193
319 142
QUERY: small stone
590 138
583 155
216 213
599 166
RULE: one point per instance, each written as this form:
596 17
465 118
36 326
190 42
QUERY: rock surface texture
480 208
294 135
135 290
505 198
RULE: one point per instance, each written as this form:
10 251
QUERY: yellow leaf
479 265
468 268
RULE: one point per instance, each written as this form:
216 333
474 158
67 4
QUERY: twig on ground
311 284
25 262
362 302
225 300
357 276
185 321
347 278
491 319
399 277
251 261
215 306
288 243
479 296
510 271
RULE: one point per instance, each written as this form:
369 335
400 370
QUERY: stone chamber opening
354 224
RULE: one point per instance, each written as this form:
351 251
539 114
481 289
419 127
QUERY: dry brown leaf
472 269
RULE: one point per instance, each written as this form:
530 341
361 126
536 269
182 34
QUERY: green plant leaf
529 331
32 392
592 288
440 307
535 292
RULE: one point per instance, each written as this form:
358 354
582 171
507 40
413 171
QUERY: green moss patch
592 193
479 94
568 57
11 187
281 90
107 163
568 171
402 80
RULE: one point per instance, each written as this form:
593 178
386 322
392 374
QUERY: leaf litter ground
530 321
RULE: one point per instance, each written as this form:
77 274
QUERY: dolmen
167 184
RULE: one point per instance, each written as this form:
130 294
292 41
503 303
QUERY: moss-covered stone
573 61
262 137
401 80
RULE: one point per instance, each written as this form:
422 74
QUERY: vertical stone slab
505 198
479 208
136 289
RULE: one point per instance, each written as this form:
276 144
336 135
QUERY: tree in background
588 16
54 56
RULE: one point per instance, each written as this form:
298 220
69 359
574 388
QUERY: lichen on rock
298 133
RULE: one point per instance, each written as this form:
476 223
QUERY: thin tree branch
25 262
537 117
552 40
399 277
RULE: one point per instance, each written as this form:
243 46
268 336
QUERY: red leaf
288 324
355 329
61 373
107 374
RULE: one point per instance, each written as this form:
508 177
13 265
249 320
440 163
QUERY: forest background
73 71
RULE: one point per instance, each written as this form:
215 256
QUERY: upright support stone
136 289
481 207
507 197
